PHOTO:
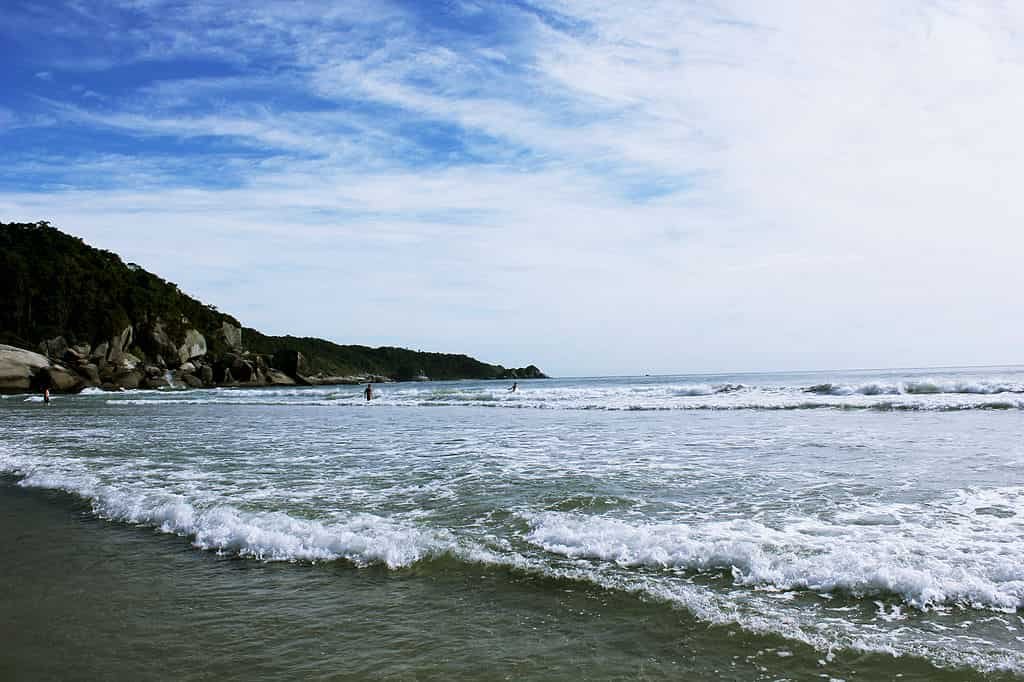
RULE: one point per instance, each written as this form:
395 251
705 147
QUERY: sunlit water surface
850 524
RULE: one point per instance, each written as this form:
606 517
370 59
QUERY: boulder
100 352
119 344
291 362
54 347
187 367
82 349
61 380
190 380
157 342
127 362
154 382
206 374
128 379
19 369
73 357
276 377
193 347
242 371
90 373
231 364
231 335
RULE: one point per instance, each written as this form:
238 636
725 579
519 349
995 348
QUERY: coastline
96 599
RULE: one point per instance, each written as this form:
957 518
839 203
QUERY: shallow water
619 527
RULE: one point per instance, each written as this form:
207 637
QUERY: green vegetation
331 359
53 284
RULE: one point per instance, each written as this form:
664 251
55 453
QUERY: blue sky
592 187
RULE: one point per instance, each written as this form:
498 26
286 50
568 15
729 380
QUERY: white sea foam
966 559
910 394
919 387
362 539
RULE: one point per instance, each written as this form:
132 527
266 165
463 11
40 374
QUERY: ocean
821 525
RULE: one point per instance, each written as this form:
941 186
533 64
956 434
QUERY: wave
362 539
952 564
754 554
921 387
775 404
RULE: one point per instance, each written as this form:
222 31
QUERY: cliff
97 321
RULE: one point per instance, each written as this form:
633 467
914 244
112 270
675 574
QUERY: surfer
368 392
514 387
46 395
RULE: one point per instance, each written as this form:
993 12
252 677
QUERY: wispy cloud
705 185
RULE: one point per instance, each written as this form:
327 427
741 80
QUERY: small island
73 316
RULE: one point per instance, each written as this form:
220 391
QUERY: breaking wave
970 563
922 387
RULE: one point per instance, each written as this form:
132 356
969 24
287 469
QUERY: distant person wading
368 392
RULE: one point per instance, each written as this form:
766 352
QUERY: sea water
775 526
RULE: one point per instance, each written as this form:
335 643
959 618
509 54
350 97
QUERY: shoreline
109 600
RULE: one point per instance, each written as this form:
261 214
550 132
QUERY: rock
529 372
239 369
193 347
90 373
231 335
187 367
291 362
54 347
276 377
128 379
124 339
19 369
153 371
190 380
159 343
242 371
72 356
83 349
127 362
119 345
154 382
206 374
100 352
61 380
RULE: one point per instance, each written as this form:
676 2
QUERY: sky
593 187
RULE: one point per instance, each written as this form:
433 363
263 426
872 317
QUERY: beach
860 526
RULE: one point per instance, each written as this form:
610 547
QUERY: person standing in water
368 392
514 387
46 396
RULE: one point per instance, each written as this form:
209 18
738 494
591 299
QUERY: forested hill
66 299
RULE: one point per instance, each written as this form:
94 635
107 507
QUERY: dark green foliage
331 359
53 284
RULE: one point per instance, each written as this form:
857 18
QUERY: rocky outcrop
19 369
22 371
528 372
158 343
54 347
291 362
193 347
61 380
276 377
231 336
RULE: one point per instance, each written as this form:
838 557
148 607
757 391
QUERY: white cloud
835 184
